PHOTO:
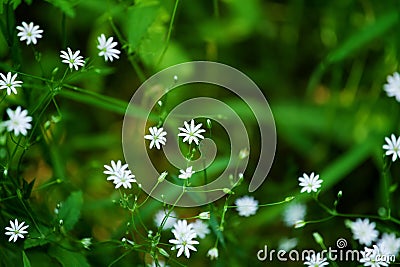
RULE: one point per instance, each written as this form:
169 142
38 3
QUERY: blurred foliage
321 65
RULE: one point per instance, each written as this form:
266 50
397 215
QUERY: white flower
115 170
191 132
389 244
73 59
19 121
8 82
364 231
293 213
212 253
316 260
205 215
310 183
246 206
287 244
106 47
125 179
200 228
157 137
29 32
86 242
392 147
16 230
127 241
392 87
373 257
169 222
184 236
185 174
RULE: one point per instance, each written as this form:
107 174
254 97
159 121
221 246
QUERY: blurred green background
320 64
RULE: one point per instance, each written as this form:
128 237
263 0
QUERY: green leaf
27 188
70 210
139 19
68 258
25 260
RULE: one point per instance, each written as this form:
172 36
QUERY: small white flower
287 244
205 215
186 174
184 235
115 170
106 47
389 244
200 228
364 231
293 213
8 82
157 137
125 179
246 206
392 147
19 121
213 253
316 260
73 59
16 230
86 242
191 133
169 222
373 257
29 32
310 183
392 87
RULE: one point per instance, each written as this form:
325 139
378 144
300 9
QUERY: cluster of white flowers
310 183
16 230
379 254
31 32
184 238
119 174
392 147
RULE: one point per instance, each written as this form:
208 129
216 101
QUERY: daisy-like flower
310 183
316 260
186 174
246 206
157 137
287 244
19 121
392 87
294 213
115 170
107 48
213 253
29 32
125 179
169 222
389 244
373 257
8 82
200 228
364 231
392 147
16 230
191 133
73 59
184 238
